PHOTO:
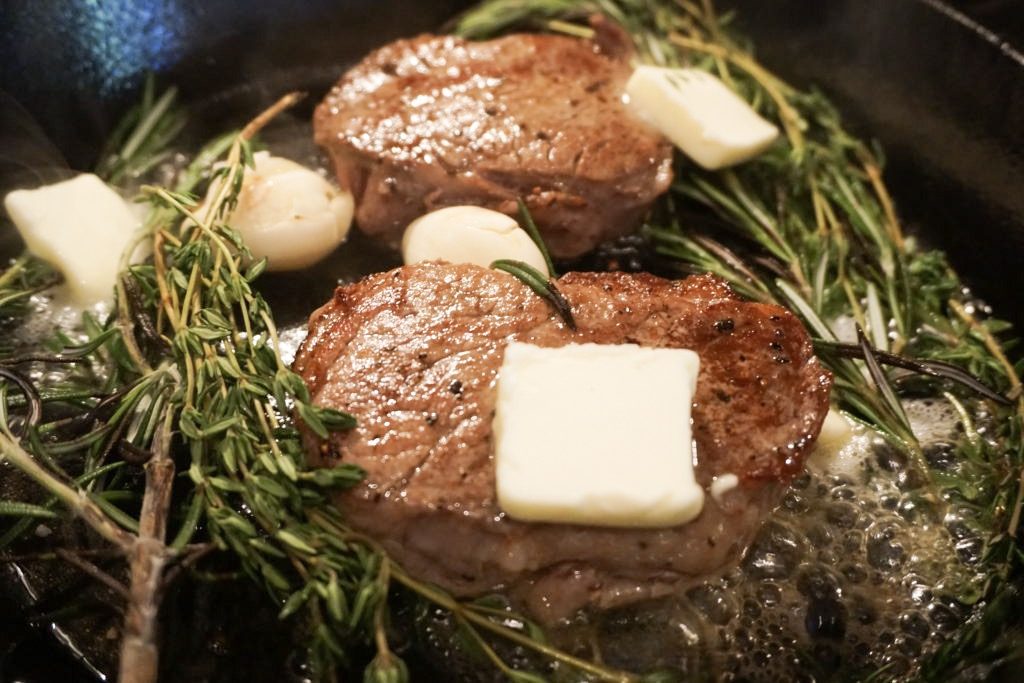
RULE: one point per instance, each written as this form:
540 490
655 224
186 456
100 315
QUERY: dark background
1004 17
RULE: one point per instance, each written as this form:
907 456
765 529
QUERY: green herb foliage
143 137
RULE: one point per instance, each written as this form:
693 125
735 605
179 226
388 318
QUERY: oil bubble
715 604
775 553
914 624
826 618
885 553
817 583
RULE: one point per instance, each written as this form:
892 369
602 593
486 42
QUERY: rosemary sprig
531 229
143 137
932 368
543 286
13 509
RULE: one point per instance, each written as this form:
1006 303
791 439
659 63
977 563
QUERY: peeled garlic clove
290 214
469 234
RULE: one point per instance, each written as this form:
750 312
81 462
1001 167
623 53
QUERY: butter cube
79 226
596 434
700 115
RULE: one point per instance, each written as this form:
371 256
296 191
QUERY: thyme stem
1016 390
92 570
148 556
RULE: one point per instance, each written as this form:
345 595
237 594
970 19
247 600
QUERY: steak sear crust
438 121
414 354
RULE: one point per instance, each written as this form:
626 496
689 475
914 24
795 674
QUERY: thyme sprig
251 484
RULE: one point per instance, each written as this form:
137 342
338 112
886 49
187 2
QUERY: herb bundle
186 373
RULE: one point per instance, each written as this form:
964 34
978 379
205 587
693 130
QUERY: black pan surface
943 95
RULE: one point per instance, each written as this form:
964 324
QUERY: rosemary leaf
932 368
543 286
879 377
15 509
531 229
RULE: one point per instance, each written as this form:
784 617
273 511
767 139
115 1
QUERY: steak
438 121
414 354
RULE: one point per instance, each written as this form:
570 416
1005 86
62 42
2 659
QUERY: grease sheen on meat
438 121
414 354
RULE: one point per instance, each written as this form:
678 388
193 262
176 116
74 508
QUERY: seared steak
414 354
437 121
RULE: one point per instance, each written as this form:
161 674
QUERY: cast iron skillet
944 96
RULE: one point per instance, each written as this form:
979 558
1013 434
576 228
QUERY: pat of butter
722 484
840 447
836 433
596 434
81 227
469 234
700 115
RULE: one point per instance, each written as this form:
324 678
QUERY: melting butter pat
840 447
836 433
596 434
700 115
469 234
79 226
722 484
